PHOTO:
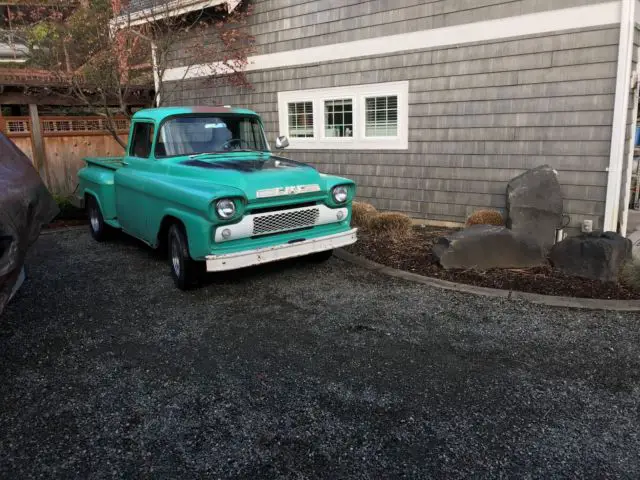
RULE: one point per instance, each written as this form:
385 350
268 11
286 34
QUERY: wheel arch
197 229
163 231
88 193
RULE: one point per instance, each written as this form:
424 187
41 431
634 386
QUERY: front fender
199 231
192 195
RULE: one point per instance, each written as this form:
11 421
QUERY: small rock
535 206
483 247
598 256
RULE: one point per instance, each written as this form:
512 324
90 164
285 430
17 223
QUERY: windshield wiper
204 154
195 155
247 150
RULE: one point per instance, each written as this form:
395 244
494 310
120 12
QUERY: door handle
125 163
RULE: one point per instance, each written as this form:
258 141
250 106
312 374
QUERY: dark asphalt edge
549 300
62 229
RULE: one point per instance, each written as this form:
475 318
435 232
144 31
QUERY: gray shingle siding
479 114
290 24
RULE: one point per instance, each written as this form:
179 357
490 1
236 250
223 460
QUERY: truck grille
284 221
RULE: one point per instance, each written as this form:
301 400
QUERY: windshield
191 135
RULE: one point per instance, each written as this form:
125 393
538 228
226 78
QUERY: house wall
285 25
479 114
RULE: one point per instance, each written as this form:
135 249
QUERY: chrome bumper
232 261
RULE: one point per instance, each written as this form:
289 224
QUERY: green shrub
68 211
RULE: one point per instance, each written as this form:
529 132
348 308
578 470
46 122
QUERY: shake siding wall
479 114
284 25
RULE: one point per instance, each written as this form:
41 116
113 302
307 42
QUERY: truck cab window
142 140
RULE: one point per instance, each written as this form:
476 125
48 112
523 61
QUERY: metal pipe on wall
618 137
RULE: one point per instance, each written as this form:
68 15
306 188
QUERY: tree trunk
67 60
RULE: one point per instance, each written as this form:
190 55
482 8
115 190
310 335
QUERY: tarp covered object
25 204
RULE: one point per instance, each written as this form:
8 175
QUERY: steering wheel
239 141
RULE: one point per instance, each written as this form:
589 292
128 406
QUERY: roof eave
172 8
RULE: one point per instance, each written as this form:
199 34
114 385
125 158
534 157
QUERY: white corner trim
626 196
357 94
166 10
530 24
620 112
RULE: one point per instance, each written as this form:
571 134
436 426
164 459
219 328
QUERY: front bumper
232 261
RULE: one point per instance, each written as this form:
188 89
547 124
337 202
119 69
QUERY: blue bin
638 137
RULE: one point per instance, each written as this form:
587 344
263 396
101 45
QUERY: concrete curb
549 300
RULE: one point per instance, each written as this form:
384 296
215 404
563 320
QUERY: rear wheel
186 272
321 256
99 230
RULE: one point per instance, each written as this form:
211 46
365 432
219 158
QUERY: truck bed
110 163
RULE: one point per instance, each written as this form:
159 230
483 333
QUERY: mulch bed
413 254
63 223
69 216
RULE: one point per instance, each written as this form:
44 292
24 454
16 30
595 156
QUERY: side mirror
282 142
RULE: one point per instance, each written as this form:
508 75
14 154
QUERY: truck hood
259 176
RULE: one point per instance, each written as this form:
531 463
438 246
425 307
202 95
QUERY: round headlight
225 208
340 194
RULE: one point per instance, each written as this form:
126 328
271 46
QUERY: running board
113 223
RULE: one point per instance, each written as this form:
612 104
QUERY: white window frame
313 116
358 94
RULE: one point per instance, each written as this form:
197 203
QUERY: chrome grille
285 220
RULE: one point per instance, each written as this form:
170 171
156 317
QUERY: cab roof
161 113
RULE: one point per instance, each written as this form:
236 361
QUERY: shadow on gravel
211 278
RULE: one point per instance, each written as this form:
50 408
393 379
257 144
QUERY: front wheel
186 272
99 229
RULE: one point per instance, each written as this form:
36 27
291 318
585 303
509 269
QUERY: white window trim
357 93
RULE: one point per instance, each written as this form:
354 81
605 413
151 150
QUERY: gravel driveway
298 370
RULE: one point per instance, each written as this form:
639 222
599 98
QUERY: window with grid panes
300 119
381 116
338 118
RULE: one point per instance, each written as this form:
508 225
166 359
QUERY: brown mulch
55 224
413 254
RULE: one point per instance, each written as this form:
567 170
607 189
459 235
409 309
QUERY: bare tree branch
108 69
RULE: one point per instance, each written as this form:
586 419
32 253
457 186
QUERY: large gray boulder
534 205
598 256
483 247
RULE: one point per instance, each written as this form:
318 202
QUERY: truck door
131 180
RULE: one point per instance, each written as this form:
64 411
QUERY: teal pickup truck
202 183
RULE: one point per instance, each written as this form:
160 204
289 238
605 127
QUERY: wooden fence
62 143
